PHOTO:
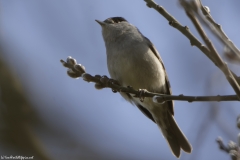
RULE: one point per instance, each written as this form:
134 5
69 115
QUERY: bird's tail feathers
174 136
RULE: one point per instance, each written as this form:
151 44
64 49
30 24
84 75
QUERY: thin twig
221 145
232 148
216 28
217 98
77 70
217 59
232 78
184 30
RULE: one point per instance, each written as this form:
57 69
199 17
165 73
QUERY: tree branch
216 28
189 8
77 70
232 148
183 29
181 97
211 53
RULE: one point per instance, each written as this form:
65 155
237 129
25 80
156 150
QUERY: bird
132 60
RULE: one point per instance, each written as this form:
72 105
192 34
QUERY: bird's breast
137 67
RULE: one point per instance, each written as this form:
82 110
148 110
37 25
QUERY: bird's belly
145 72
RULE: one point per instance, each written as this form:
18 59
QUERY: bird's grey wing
168 87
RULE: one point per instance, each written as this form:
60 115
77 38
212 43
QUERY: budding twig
77 70
216 28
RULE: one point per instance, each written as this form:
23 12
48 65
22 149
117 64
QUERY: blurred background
48 115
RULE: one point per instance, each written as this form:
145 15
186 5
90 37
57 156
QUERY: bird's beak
100 22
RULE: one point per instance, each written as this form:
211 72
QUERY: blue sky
36 34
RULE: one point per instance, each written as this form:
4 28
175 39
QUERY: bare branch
183 29
181 97
221 145
217 59
232 148
231 77
216 29
77 70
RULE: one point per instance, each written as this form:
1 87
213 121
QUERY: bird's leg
113 81
141 94
109 81
130 87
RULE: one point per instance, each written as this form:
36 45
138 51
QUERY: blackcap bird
133 61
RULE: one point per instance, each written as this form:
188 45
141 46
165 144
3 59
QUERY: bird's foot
115 82
108 82
141 94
